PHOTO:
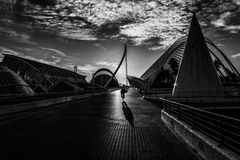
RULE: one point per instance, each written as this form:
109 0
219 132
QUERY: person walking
123 91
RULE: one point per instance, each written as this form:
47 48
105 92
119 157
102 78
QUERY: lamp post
126 68
75 71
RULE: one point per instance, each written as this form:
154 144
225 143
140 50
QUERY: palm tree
218 68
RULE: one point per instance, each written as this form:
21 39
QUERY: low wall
205 146
8 109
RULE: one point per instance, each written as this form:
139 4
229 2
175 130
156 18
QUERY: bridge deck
100 128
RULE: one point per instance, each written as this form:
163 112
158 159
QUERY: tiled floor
99 128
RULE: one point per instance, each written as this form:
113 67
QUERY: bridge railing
9 99
208 97
168 91
223 129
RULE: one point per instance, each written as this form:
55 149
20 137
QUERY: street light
75 71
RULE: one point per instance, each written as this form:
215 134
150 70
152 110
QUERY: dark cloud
42 3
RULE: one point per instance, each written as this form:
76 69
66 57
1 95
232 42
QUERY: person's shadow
128 113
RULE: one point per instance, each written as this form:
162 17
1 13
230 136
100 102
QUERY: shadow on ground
128 113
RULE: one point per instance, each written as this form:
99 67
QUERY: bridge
98 129
176 110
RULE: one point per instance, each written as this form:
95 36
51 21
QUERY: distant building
103 79
44 78
12 84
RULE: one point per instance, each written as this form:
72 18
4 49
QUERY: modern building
103 79
12 84
193 67
44 78
137 82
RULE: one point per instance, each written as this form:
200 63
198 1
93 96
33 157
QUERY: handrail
8 99
225 130
200 110
209 95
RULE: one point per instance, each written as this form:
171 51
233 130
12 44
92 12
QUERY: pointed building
197 76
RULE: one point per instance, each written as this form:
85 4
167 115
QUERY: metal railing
190 94
9 99
208 97
223 129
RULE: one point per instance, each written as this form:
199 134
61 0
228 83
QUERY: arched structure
225 69
102 76
39 76
107 79
164 73
12 84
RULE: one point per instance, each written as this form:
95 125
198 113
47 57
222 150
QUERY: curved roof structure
38 75
196 50
104 78
136 82
224 66
12 84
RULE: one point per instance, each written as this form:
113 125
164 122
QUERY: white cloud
235 55
78 34
4 50
237 2
221 21
100 46
9 33
232 27
24 38
107 64
88 68
60 53
161 24
53 63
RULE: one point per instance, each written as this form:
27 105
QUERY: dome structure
104 78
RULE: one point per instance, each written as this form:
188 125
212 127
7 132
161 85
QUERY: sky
91 33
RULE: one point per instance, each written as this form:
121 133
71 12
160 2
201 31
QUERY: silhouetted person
123 91
128 113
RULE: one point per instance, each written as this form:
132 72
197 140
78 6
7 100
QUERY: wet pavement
99 128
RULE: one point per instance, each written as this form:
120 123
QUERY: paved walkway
100 128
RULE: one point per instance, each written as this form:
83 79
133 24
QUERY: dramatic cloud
150 23
138 21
